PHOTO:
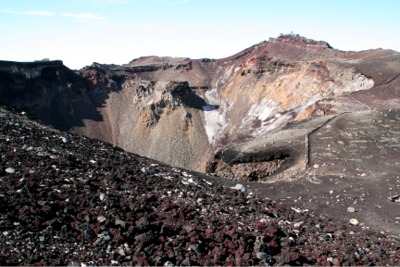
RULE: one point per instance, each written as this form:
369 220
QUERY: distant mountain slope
182 111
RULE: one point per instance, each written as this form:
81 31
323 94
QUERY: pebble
351 209
147 170
101 219
239 187
10 170
120 222
297 225
262 256
120 251
168 264
353 221
395 198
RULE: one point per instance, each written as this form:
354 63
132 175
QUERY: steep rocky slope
182 111
70 200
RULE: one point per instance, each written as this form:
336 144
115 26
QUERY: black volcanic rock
48 91
72 200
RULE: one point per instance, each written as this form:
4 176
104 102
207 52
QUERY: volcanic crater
299 140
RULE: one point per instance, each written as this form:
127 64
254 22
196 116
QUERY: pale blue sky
80 32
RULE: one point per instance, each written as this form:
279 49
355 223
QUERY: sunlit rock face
183 111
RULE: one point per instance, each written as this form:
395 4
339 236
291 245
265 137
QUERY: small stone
363 174
262 256
64 140
316 166
239 187
149 171
351 209
353 221
120 222
395 198
89 233
102 196
168 264
297 225
101 219
296 209
10 170
120 251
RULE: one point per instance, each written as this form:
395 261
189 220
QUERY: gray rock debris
395 198
239 187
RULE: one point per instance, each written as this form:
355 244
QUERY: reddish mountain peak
296 39
291 47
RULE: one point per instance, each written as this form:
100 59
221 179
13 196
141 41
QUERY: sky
81 32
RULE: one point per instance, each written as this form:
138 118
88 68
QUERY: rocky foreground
70 200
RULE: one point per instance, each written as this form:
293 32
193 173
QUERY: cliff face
182 111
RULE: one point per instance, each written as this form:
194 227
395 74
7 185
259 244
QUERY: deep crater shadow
54 94
189 97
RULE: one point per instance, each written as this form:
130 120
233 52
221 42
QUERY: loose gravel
70 200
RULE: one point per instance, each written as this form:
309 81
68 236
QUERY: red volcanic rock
64 198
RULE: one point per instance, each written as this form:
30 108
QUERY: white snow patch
215 119
263 110
228 73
